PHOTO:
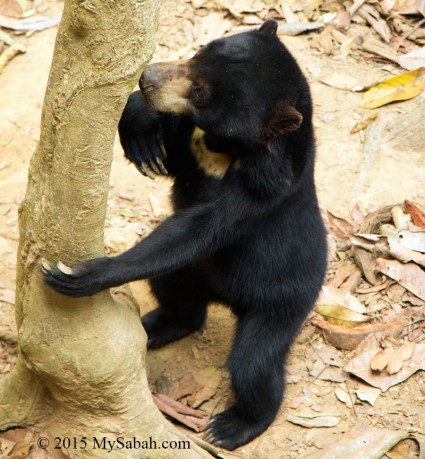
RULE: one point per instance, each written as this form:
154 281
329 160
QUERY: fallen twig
10 53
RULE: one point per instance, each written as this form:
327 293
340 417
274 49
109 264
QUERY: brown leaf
417 214
360 367
401 220
377 244
400 355
12 8
364 123
400 451
339 227
349 338
380 359
187 385
410 276
194 419
342 274
207 381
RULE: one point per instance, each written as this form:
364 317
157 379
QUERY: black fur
252 239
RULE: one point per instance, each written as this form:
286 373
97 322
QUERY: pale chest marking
211 162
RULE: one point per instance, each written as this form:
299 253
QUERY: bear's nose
150 77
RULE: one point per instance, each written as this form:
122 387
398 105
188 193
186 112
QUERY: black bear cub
233 127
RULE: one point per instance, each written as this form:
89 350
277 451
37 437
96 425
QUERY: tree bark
81 363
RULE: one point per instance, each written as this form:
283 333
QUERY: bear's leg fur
183 298
256 363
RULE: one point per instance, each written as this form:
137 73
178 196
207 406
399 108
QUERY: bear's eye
199 95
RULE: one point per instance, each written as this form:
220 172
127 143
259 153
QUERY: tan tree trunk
81 363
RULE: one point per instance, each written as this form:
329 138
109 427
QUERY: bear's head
246 88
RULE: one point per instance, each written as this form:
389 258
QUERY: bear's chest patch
211 162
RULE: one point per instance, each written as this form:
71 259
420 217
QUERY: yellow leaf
401 87
339 315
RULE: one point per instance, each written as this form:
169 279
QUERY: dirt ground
136 204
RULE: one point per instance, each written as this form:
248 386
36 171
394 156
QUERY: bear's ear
285 119
269 27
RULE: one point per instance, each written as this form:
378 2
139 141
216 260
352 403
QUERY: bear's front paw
146 152
229 429
80 280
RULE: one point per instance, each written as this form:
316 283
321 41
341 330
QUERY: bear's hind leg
183 301
256 364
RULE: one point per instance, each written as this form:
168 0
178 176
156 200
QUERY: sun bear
233 127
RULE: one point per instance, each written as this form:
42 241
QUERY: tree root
22 399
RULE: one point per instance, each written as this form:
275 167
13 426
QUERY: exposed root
21 398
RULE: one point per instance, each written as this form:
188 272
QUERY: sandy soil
136 204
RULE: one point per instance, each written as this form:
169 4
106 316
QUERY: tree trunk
81 363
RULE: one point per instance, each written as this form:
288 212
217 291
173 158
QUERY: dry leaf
13 8
343 397
410 276
324 363
207 380
342 274
405 255
364 123
380 26
371 242
339 227
368 394
349 338
417 214
406 6
319 421
296 28
413 60
211 27
341 81
401 220
370 443
380 359
34 23
412 240
186 386
402 87
194 419
360 367
156 207
400 451
329 295
399 356
7 296
339 315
